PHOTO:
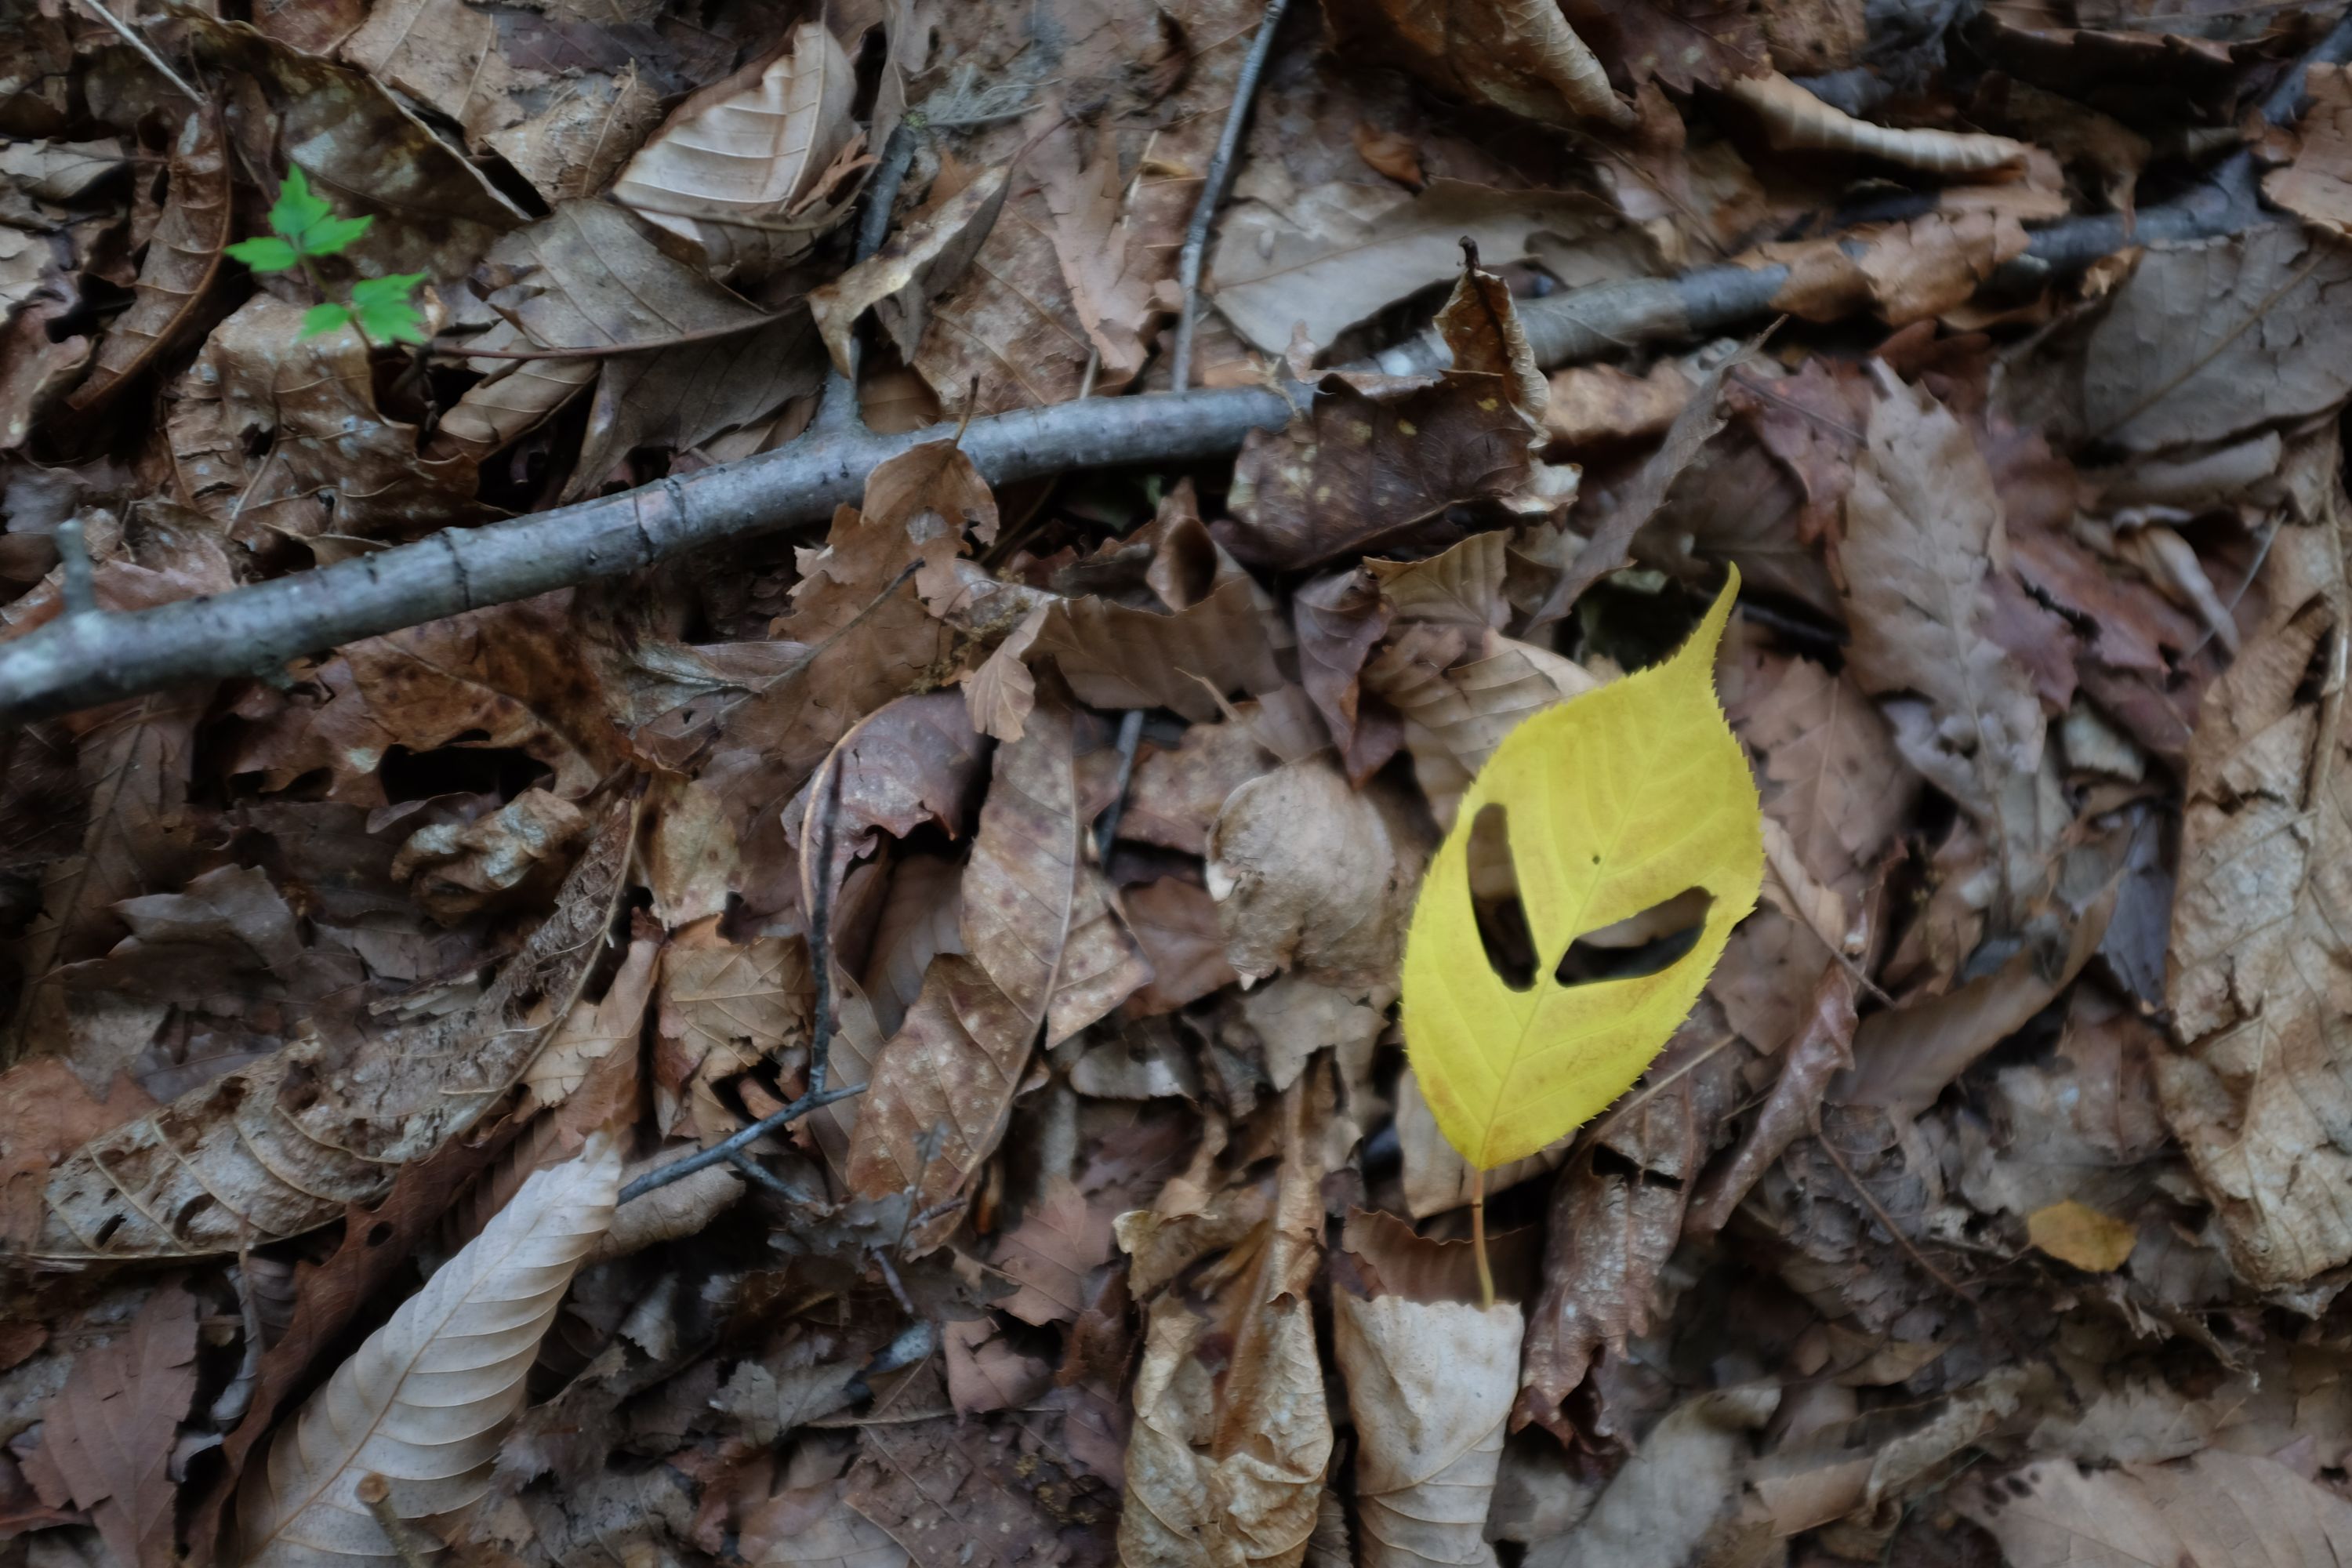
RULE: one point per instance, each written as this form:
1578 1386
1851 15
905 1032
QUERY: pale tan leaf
2218 1510
425 1400
736 168
283 1145
1037 914
594 1030
2315 187
2258 934
1794 117
1295 1017
1669 1496
1428 1386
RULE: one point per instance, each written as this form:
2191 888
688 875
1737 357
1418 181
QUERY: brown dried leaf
1460 695
1376 457
1061 1240
594 1030
925 258
1232 1435
352 138
2211 338
1611 1231
274 435
724 1008
940 1094
1519 56
183 258
2315 187
1036 915
2266 844
1833 779
108 1434
1174 922
1924 529
1116 656
742 171
1339 620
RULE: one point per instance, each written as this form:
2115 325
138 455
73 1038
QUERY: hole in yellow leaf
1640 945
1494 900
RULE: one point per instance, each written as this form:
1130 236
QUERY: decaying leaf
1612 804
280 1147
1037 917
423 1402
2265 842
183 256
2218 1507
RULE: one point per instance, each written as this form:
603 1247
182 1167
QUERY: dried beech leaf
281 1147
426 1400
1794 117
1460 695
1232 1435
738 171
592 1031
926 257
1428 1386
1116 656
940 1092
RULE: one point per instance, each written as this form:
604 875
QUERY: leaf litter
1986 1201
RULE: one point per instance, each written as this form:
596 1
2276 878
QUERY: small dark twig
725 1153
824 804
1212 192
837 406
375 1494
758 1175
1130 734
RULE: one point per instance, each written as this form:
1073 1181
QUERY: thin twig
817 837
1130 734
147 51
725 1153
836 407
375 1493
1212 192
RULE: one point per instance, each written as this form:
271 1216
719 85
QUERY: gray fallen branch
87 657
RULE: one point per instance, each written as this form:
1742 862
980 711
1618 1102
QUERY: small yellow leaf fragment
2078 1234
1615 803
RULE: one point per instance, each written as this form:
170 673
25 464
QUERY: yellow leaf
2078 1234
1615 803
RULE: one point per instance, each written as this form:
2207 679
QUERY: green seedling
304 227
